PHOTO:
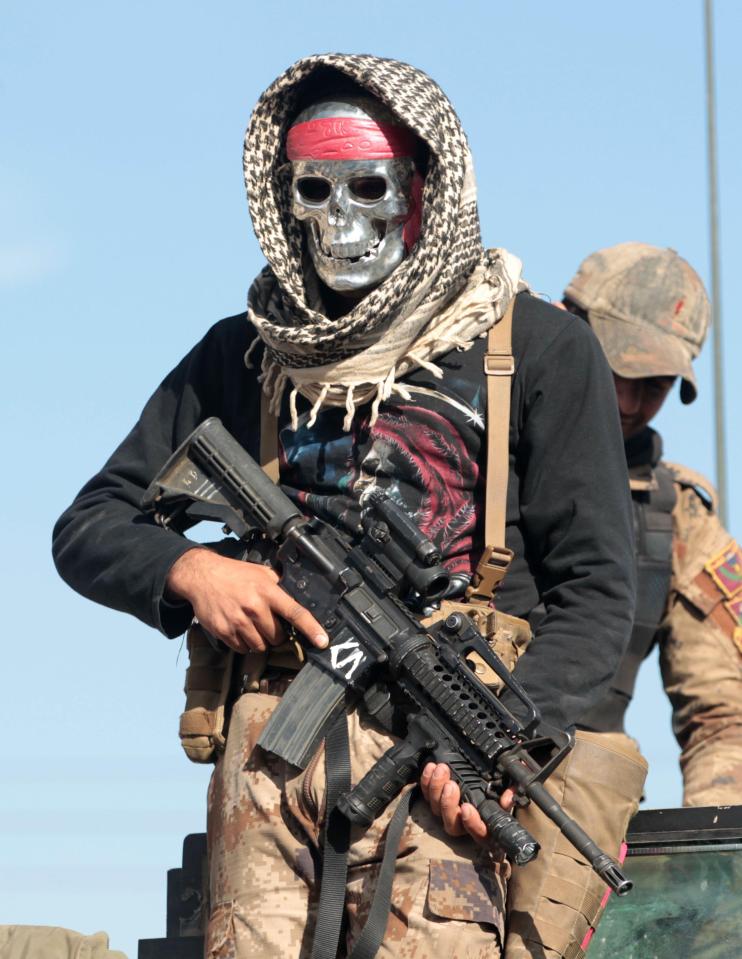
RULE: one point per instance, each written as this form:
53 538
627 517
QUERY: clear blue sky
124 234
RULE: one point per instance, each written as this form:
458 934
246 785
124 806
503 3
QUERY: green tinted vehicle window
682 905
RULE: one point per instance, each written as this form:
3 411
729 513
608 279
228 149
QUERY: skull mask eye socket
313 189
368 189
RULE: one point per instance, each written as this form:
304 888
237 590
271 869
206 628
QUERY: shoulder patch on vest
720 588
726 570
685 476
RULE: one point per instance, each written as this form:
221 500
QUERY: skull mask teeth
354 213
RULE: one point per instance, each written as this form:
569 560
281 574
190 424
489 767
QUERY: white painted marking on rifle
355 656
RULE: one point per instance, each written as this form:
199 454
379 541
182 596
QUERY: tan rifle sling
499 367
268 439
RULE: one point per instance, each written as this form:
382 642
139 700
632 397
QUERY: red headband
349 138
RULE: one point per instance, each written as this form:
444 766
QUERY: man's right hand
239 603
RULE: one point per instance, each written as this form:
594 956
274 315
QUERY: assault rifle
360 587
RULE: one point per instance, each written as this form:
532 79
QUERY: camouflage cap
649 309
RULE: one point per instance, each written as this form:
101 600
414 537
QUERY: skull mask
360 214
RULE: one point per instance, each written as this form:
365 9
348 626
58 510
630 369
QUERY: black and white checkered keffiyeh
381 337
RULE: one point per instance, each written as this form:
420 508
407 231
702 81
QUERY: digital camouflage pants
264 829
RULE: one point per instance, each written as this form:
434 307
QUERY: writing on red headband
349 138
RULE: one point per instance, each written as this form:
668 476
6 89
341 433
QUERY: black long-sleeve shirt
568 507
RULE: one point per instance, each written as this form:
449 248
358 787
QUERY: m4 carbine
362 587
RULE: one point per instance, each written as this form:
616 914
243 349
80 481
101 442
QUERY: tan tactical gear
499 367
648 308
701 646
264 828
207 687
53 942
508 636
556 900
214 678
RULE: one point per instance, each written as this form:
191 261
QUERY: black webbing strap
367 944
336 842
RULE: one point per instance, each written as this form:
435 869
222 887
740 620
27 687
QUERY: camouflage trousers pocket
220 935
466 892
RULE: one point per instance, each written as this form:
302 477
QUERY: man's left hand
444 798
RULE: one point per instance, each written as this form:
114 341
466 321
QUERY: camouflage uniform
650 312
264 828
701 646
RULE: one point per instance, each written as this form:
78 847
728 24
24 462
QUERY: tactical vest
653 495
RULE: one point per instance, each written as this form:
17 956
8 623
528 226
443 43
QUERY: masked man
650 312
367 327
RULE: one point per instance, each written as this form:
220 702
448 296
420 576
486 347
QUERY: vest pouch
207 687
508 636
555 902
